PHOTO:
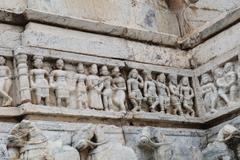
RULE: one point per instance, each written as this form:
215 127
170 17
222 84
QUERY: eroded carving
39 81
135 83
31 144
58 81
95 86
82 97
5 83
102 148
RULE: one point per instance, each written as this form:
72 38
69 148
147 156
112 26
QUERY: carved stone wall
103 80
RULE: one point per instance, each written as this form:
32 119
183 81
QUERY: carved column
22 73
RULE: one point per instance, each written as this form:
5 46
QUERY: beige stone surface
217 45
16 6
43 36
10 35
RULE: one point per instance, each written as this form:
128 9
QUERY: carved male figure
187 94
221 84
134 83
107 88
58 81
119 88
209 93
231 80
175 98
82 98
163 95
5 83
39 82
150 90
95 86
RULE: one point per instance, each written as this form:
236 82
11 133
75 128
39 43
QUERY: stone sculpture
163 95
150 90
4 155
175 97
119 89
231 80
5 83
39 82
221 85
107 89
221 147
33 145
187 94
209 93
58 81
82 97
102 148
95 86
163 150
134 83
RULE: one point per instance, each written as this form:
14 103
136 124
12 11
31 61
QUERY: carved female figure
231 80
134 83
163 94
221 84
150 90
58 81
209 93
5 83
175 98
38 81
107 89
95 86
119 88
82 98
187 94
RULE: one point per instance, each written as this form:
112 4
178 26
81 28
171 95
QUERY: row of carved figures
224 86
103 90
27 142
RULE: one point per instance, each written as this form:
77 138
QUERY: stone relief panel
220 87
86 86
7 82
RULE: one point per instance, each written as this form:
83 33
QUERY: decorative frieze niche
220 87
116 87
7 80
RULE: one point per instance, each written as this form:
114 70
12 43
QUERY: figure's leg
154 106
233 93
110 103
135 105
79 104
47 100
105 103
67 101
179 109
225 98
59 102
39 98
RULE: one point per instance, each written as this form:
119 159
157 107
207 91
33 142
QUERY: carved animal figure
163 150
102 148
33 145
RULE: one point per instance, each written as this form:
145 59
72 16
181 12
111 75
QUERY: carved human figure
209 93
39 82
119 89
221 84
150 90
187 94
95 86
4 155
175 97
82 97
134 83
163 95
58 81
231 80
5 83
107 88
